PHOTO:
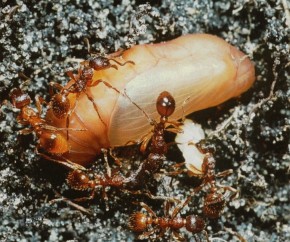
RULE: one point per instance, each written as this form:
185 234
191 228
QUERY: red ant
90 180
165 105
99 62
61 104
50 138
215 200
140 222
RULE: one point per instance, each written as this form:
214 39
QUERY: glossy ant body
165 106
98 62
149 224
215 200
50 138
91 180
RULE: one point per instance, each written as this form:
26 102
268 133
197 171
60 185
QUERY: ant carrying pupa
91 181
64 103
50 138
200 162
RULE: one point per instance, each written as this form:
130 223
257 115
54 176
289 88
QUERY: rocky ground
40 39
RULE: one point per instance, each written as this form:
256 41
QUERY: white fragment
191 134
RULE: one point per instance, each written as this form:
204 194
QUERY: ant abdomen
53 142
139 222
79 180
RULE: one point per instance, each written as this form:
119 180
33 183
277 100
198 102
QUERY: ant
140 222
49 137
165 106
215 200
60 102
91 180
99 62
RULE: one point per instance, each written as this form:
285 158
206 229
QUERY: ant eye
165 104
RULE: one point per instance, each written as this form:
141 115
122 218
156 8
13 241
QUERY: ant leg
164 198
166 208
53 128
105 198
65 162
235 192
69 202
176 172
26 131
145 141
108 168
161 233
38 102
177 236
146 235
84 199
116 159
71 74
97 82
206 235
224 173
96 108
87 42
180 206
56 86
148 209
151 121
70 113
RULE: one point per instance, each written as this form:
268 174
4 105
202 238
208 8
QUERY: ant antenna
150 120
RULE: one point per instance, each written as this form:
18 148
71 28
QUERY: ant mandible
215 200
140 222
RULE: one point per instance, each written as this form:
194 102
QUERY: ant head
99 63
19 99
194 224
79 180
214 204
165 104
137 222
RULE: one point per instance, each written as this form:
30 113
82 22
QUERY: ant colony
134 98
